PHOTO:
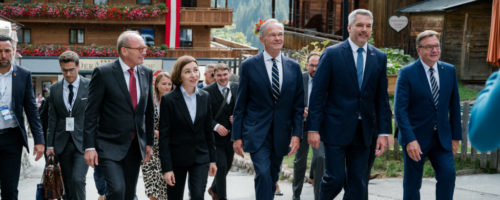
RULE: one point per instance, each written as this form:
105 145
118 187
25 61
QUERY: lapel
59 97
142 84
120 80
81 89
262 72
287 74
215 90
16 81
423 79
305 77
443 81
370 66
349 64
181 104
199 110
234 91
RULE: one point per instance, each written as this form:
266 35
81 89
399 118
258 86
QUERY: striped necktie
434 87
275 81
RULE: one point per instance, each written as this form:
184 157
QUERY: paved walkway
240 186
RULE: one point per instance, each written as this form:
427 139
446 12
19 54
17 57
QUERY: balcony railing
296 38
212 17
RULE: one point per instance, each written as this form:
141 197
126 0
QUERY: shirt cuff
312 131
216 126
88 149
383 134
50 148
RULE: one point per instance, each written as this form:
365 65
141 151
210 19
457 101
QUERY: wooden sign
398 23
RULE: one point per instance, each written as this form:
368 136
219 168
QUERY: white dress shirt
75 84
428 75
269 67
6 98
126 74
190 102
355 48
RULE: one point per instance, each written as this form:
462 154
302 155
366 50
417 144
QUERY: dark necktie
226 94
132 87
71 94
434 86
359 66
275 81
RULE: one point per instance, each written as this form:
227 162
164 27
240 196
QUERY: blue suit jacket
23 98
483 122
415 112
336 100
255 113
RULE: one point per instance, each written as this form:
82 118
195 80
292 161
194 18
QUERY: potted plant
396 59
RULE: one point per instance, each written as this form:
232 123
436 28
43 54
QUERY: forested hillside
248 12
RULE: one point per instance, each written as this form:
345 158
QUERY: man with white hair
349 108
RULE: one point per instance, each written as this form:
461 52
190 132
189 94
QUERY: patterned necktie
132 89
71 94
226 93
275 81
359 66
434 86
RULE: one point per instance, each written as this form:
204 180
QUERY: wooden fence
488 160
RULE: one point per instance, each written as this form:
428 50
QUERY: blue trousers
267 167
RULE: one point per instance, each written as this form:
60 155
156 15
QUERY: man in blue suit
349 108
483 121
427 108
16 95
269 109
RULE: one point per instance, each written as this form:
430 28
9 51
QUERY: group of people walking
181 131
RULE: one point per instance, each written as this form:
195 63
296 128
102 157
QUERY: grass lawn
466 94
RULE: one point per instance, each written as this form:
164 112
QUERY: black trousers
74 171
11 148
225 155
198 174
121 176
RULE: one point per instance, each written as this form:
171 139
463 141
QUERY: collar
355 47
222 87
184 92
268 57
124 66
310 77
9 72
427 67
75 83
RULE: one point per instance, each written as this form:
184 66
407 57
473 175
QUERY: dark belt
7 130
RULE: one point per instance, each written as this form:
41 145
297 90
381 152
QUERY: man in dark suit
209 76
65 125
119 117
16 95
269 109
300 162
222 99
349 106
427 107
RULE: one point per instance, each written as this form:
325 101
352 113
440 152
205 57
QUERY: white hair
263 27
352 15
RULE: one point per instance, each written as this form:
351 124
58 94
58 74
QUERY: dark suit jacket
416 114
337 101
23 99
216 99
255 112
305 79
184 143
110 118
57 136
483 122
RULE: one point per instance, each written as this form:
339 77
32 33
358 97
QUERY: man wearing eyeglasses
427 108
209 76
119 117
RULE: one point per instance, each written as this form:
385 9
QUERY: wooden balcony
211 17
296 38
211 52
160 20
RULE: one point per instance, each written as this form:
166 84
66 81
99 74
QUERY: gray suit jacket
57 136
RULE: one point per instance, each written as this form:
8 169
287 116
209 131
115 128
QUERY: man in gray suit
300 162
67 102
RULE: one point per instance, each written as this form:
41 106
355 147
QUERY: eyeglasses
140 49
431 47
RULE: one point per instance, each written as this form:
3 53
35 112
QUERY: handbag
52 182
39 192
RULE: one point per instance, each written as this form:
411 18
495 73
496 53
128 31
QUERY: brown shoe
212 193
373 176
101 197
310 180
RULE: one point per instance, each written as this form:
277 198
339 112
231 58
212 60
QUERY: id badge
70 124
5 113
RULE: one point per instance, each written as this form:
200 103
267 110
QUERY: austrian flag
172 24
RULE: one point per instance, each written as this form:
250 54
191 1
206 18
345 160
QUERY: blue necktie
359 67
434 87
275 81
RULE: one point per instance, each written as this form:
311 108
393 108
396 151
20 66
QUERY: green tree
229 33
